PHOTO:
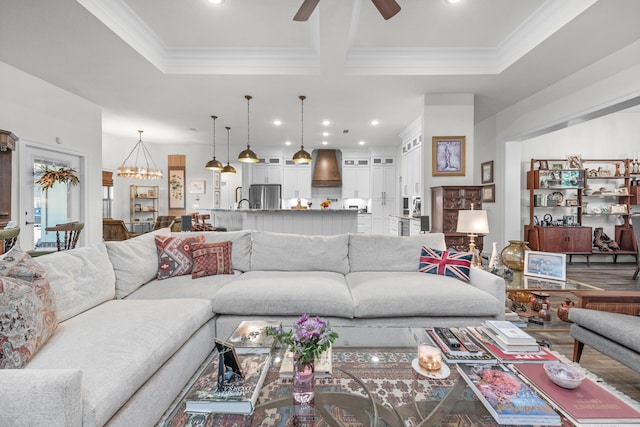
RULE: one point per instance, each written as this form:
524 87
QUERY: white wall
38 111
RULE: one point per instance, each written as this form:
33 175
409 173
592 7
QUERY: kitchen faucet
242 200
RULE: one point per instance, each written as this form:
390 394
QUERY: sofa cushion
27 308
390 253
321 293
174 255
80 279
446 263
294 252
210 259
118 346
240 242
389 294
183 287
135 262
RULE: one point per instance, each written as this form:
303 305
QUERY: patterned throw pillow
27 308
174 255
446 263
211 258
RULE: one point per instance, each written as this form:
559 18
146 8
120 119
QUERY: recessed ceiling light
277 122
325 133
326 122
361 142
287 143
375 122
324 142
452 1
216 1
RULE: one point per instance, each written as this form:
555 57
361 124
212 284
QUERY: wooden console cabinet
569 240
446 201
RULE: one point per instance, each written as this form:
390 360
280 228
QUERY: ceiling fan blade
387 8
305 11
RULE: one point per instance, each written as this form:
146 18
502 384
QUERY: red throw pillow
446 263
174 255
210 259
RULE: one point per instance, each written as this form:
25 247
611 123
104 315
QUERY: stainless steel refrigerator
265 196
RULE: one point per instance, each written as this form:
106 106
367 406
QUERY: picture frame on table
197 186
557 166
543 165
448 156
489 193
549 265
574 161
618 209
486 171
138 207
151 194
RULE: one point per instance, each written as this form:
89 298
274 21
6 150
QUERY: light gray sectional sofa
127 343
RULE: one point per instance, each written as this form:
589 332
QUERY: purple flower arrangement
309 337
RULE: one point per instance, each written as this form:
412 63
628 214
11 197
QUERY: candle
429 358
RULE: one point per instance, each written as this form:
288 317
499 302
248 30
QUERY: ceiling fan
387 8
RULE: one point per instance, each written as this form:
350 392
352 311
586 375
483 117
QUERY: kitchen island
324 222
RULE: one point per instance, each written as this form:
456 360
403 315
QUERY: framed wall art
448 157
550 265
489 193
176 187
216 180
486 171
197 186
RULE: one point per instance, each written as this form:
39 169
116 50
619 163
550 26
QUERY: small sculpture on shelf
604 242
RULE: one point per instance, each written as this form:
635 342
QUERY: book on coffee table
322 366
249 337
238 396
589 403
462 355
540 356
507 398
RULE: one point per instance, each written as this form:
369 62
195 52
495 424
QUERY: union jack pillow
446 263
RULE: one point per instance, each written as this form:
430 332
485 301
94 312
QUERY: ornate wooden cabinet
7 146
446 201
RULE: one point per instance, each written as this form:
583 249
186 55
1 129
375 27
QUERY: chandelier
228 169
248 155
214 164
143 171
302 156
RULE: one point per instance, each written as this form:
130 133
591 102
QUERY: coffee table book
507 398
587 404
460 356
322 366
481 334
509 333
235 398
250 335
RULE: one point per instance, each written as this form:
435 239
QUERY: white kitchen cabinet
296 183
268 170
364 223
414 227
412 167
384 199
356 180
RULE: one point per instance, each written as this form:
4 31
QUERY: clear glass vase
303 382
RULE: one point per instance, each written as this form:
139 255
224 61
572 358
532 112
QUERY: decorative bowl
564 375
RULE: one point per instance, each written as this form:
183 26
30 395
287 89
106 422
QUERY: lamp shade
473 221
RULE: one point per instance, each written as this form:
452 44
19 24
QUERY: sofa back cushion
295 252
390 253
240 245
80 279
135 262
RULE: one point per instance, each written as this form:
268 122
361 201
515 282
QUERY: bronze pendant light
302 156
214 164
228 169
248 155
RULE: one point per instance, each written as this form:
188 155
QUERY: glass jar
513 254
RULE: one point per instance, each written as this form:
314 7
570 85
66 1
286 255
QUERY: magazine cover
507 398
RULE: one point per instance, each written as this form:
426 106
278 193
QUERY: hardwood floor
608 276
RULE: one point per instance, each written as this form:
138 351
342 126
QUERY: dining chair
115 230
70 233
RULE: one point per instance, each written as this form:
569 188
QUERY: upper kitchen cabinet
297 180
268 170
356 179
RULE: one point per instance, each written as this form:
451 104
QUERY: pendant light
214 164
248 155
143 171
302 156
228 169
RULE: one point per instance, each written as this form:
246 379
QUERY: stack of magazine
510 338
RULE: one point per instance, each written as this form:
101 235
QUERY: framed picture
216 199
557 166
448 157
619 209
544 165
176 187
197 186
575 161
151 194
216 180
487 172
550 265
489 193
572 202
138 207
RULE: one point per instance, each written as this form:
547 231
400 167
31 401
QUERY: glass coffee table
372 384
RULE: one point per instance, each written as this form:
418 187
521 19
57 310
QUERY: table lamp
473 222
